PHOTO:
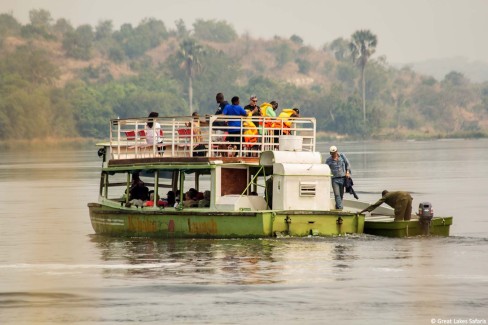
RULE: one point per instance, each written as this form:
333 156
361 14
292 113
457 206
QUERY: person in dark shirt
219 127
221 102
138 191
253 104
235 126
398 200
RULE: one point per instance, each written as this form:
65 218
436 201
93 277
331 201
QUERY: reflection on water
54 270
202 261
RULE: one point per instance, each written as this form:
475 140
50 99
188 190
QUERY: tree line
60 81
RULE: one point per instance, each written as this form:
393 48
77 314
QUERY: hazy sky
407 30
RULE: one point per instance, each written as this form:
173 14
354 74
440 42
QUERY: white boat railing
212 136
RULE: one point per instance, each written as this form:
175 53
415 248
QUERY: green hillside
62 81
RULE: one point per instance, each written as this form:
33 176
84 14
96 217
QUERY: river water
54 270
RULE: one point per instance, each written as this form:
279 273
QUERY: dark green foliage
30 31
35 112
62 26
90 114
140 95
181 30
31 84
9 26
430 81
214 30
454 79
30 64
341 49
40 25
296 39
219 74
103 30
40 18
153 30
136 41
347 75
304 65
283 54
116 54
99 73
79 43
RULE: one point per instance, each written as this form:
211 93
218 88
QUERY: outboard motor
425 214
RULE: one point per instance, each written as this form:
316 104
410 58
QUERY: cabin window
308 188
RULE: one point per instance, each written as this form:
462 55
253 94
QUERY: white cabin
300 180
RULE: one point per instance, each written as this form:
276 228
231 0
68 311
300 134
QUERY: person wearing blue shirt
235 126
340 169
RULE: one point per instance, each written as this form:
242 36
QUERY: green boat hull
201 223
439 226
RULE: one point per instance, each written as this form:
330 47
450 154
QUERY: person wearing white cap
340 169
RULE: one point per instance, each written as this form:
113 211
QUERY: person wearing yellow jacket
269 109
250 130
284 116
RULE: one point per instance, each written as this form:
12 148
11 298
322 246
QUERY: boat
270 182
381 222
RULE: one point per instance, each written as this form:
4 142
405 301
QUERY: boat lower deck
192 223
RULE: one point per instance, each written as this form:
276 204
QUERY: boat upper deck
214 137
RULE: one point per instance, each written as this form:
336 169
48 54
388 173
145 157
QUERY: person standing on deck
153 129
219 132
253 104
269 109
340 169
221 102
234 110
398 200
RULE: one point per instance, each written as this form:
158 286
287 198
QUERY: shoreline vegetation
62 83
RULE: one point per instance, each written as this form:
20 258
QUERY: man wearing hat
340 169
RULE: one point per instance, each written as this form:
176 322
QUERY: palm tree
189 55
363 44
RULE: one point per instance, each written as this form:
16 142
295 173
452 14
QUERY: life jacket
251 129
283 119
268 123
263 107
284 115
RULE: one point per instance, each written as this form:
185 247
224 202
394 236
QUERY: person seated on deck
177 198
150 202
205 202
235 131
137 190
170 198
191 198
